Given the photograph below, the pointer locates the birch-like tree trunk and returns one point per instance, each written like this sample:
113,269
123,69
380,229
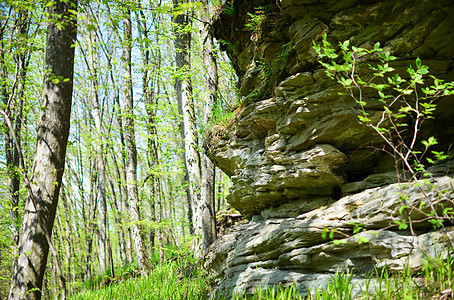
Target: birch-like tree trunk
93,65
183,90
49,163
131,165
211,86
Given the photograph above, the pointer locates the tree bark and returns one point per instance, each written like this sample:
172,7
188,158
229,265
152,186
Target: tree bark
208,174
131,165
183,89
49,163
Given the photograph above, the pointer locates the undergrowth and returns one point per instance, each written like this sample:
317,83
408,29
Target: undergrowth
168,281
165,281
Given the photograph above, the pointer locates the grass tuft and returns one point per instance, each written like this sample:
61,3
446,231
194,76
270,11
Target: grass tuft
165,281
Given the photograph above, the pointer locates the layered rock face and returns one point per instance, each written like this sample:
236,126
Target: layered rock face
299,159
274,248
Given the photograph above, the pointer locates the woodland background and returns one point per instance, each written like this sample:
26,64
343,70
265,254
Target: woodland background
168,44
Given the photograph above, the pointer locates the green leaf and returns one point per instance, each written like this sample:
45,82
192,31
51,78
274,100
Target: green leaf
426,181
362,103
418,62
338,242
423,71
430,142
407,92
325,233
447,210
362,239
430,160
402,224
422,204
387,110
345,44
346,82
436,222
364,119
440,155
401,209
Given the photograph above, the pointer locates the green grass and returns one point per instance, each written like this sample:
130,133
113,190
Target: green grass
165,281
434,280
272,293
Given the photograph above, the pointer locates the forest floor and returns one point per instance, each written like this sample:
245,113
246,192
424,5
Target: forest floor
177,280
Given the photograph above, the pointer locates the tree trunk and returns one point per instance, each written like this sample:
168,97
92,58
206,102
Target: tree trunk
111,263
131,165
52,138
120,172
90,215
126,255
93,65
151,107
183,89
208,174
68,247
21,56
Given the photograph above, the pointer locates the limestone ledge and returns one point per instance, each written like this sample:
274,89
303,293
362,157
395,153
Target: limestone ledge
277,249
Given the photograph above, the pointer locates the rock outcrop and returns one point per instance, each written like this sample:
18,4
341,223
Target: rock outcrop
277,249
300,161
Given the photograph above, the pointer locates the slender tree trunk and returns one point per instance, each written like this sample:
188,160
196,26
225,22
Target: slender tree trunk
93,62
131,165
121,173
11,153
183,89
111,263
151,107
211,84
21,58
126,215
118,223
68,234
92,207
52,138
126,254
